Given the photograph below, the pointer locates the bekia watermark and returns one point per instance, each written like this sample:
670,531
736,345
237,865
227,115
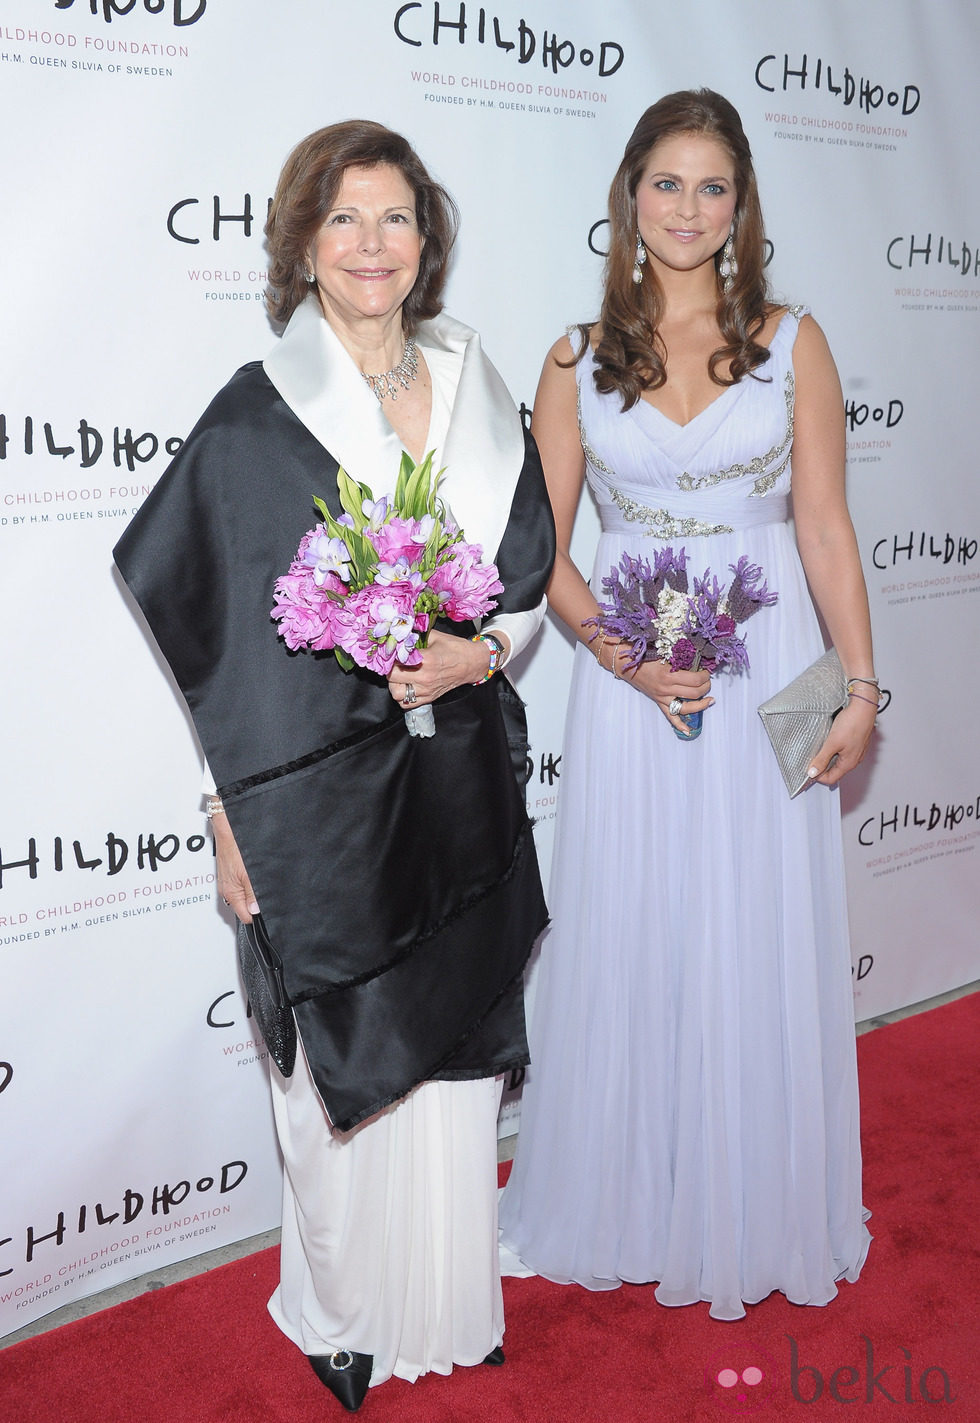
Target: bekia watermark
852,1383
742,1377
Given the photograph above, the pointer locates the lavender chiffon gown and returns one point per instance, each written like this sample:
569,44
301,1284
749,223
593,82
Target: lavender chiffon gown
691,1114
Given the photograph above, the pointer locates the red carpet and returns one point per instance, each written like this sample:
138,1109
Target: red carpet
902,1344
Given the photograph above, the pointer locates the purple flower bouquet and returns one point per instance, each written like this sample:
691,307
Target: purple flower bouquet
369,585
687,624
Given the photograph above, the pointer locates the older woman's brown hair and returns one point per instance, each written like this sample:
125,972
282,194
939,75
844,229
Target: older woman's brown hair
629,354
307,187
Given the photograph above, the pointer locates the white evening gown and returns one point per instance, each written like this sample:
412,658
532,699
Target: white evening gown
691,1112
389,1231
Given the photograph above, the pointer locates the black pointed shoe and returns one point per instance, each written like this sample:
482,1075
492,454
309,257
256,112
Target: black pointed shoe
495,1357
345,1374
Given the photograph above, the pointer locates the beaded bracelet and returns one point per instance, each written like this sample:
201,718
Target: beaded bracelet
213,806
496,654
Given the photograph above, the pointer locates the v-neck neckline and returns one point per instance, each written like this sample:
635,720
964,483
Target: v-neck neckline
680,425
686,424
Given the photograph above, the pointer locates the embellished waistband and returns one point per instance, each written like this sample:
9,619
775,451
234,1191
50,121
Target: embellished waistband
679,521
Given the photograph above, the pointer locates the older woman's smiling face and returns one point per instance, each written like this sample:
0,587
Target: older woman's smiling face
366,253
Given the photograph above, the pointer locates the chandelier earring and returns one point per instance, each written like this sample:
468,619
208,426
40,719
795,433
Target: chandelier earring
728,267
638,260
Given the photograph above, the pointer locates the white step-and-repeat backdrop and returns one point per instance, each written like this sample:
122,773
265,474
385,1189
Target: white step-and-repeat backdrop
143,139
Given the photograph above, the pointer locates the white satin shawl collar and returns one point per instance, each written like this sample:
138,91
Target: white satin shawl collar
484,448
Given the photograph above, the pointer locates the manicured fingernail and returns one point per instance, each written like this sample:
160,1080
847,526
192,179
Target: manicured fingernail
253,908
813,773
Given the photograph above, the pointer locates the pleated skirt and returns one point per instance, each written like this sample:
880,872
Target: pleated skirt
691,1111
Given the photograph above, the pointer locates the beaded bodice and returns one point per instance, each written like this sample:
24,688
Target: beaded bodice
727,468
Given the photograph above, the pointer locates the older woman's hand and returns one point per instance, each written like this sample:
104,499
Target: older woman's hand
233,882
447,662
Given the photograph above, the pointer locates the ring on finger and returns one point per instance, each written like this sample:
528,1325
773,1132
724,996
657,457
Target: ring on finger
675,706
410,697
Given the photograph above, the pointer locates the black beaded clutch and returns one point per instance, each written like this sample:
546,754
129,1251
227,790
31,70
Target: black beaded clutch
262,975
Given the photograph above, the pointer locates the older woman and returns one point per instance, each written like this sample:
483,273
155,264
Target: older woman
396,875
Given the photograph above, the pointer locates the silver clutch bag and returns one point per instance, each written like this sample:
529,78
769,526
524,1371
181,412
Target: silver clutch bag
798,718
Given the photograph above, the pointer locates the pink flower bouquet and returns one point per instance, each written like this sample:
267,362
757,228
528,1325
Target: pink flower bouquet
369,585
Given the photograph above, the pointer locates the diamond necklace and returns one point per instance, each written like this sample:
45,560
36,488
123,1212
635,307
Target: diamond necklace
388,382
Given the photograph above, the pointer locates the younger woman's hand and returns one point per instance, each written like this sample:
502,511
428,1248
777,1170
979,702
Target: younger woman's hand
847,740
656,681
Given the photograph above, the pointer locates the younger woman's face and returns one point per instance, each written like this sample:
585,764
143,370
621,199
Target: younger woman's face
685,200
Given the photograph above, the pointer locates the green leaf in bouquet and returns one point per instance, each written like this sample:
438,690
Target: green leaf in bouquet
406,468
364,559
417,490
335,530
325,515
352,497
433,545
420,489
